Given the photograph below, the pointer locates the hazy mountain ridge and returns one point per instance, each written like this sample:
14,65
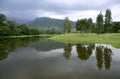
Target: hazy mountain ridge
45,22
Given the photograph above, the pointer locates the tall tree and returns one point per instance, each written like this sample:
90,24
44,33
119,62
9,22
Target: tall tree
99,23
90,25
2,19
67,25
81,25
84,25
108,21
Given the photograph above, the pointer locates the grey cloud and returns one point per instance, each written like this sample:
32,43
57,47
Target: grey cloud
27,8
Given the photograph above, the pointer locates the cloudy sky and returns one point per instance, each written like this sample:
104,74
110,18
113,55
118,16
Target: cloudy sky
74,9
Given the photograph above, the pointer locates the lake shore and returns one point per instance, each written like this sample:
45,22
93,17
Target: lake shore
21,36
75,38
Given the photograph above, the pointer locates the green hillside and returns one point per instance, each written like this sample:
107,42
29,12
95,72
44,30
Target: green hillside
45,22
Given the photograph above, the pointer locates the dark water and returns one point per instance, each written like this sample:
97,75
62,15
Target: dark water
37,58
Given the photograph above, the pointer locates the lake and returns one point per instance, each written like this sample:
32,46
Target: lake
39,58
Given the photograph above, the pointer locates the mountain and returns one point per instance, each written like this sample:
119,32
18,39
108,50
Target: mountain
45,22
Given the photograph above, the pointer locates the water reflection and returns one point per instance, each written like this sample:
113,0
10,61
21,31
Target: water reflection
67,51
103,54
83,51
9,45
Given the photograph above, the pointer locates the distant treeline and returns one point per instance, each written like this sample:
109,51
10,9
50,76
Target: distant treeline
12,28
100,26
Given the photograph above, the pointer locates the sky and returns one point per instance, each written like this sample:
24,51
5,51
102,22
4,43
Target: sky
59,9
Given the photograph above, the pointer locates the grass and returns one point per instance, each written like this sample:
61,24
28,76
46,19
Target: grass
75,38
21,36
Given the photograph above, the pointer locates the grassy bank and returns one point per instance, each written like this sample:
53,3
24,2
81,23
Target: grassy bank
75,38
21,36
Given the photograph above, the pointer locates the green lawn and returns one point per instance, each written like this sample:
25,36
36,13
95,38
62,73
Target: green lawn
74,38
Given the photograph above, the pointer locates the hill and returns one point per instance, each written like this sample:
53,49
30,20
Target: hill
45,22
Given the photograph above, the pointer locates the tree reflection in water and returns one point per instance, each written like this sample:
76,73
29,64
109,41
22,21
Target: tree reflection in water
8,45
67,51
107,57
99,57
103,54
83,51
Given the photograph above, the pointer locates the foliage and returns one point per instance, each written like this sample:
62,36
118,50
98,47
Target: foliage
99,23
116,27
2,19
84,25
11,28
67,25
108,21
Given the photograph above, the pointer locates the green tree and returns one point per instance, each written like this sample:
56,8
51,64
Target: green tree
115,27
11,25
23,29
84,25
5,31
34,31
90,25
81,25
67,25
99,23
108,21
2,19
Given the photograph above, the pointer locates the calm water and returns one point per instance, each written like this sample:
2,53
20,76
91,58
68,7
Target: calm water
37,58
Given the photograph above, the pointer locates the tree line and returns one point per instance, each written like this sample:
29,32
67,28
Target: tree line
100,26
12,28
9,27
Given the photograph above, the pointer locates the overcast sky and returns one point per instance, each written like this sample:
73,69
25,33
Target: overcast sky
74,9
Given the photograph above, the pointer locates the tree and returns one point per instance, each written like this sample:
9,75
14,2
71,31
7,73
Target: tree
99,23
90,25
84,25
108,21
34,31
81,25
67,25
24,30
5,31
11,26
2,19
115,27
